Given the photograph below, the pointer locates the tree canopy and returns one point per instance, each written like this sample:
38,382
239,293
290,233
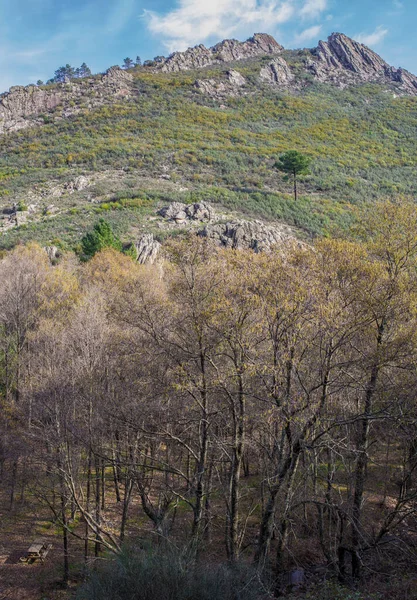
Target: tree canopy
293,163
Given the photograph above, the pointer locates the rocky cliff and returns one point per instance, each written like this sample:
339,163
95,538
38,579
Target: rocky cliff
21,106
260,44
343,61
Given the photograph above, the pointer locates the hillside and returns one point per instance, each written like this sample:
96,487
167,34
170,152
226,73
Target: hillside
208,124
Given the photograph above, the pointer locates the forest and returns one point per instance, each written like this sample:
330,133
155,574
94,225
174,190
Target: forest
232,418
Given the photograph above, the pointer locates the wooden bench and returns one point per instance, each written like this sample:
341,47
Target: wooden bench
37,551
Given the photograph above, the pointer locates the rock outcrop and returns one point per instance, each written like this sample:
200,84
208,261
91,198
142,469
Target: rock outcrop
252,235
234,234
147,249
260,44
231,86
53,253
343,61
277,72
22,106
181,213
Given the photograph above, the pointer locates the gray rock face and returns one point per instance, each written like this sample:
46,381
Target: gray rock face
81,183
52,252
341,52
277,72
253,235
147,249
220,89
22,106
227,51
343,61
181,213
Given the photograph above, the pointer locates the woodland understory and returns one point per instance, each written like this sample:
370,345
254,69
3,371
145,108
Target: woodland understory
241,408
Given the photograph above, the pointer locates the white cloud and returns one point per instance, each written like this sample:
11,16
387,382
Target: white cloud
308,34
196,21
313,8
372,39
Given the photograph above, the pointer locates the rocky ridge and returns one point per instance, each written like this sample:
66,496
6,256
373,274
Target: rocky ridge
22,106
339,61
260,44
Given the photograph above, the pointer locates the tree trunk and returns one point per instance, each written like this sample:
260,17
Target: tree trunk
295,186
87,504
362,460
97,546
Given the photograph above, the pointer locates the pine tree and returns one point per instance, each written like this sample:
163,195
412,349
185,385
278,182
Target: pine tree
101,237
128,63
293,163
83,71
64,74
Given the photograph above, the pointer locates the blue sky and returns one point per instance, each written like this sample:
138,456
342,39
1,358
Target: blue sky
38,36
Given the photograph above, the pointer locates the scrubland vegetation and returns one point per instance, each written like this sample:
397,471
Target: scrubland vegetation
208,424
361,142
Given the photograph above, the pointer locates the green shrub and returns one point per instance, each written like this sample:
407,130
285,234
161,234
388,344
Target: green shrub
22,206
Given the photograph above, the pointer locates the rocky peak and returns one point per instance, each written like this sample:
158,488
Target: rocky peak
342,52
344,61
227,51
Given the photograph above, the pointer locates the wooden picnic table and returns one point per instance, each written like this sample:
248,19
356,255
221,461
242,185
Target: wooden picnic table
37,551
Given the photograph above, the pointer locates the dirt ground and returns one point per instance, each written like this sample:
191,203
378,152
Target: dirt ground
18,529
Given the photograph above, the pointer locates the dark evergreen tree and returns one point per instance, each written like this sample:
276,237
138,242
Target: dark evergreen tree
293,163
128,63
83,71
101,237
64,74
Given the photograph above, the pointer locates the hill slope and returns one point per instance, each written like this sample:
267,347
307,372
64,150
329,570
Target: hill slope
171,131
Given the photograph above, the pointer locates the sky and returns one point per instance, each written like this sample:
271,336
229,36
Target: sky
38,36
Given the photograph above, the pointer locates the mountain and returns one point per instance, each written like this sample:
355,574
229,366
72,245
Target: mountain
207,125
